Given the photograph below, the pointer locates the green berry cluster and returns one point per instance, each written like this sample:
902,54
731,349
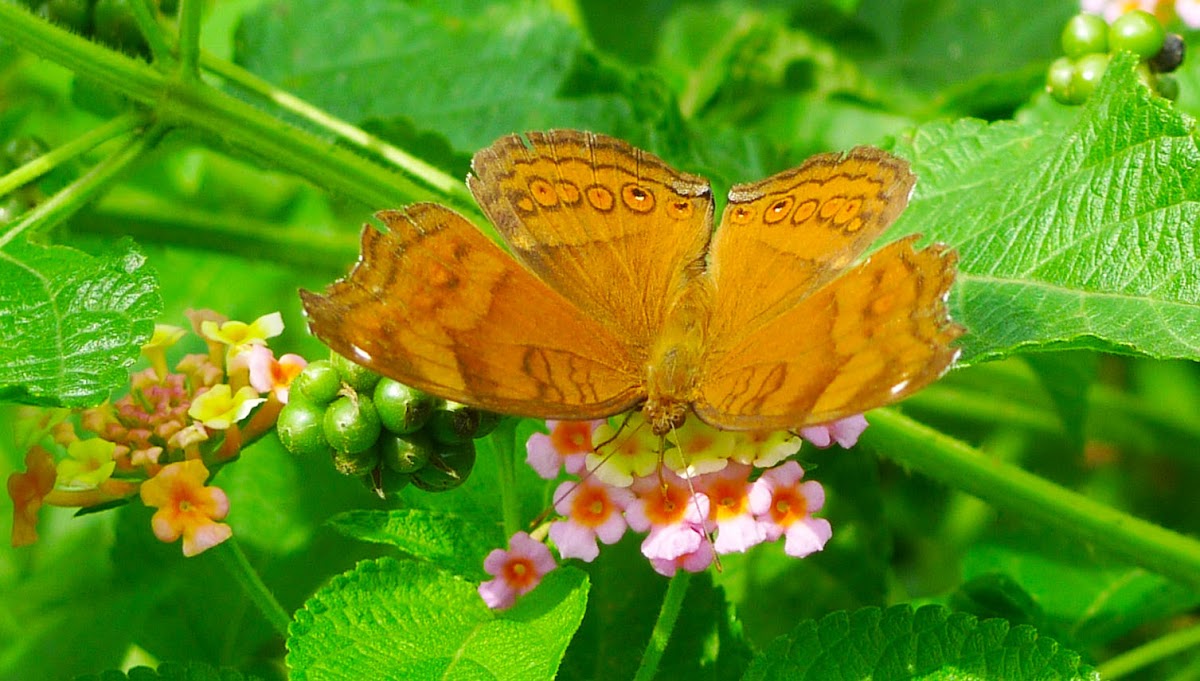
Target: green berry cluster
381,430
108,21
15,153
1089,43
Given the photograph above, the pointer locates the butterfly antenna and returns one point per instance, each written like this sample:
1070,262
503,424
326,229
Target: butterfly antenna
687,475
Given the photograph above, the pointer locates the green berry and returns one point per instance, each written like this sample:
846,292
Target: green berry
1088,72
1084,34
1171,55
356,463
351,424
448,469
318,382
1168,87
300,427
1058,80
406,453
1138,32
355,375
488,420
401,408
455,422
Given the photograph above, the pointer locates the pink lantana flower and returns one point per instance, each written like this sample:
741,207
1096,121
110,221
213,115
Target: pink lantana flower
674,517
845,432
729,493
517,571
186,507
592,511
785,506
696,561
565,447
1189,12
270,375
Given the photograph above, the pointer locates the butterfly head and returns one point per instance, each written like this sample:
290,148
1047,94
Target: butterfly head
664,414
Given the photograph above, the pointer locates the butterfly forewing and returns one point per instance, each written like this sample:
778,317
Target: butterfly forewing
784,237
612,228
435,305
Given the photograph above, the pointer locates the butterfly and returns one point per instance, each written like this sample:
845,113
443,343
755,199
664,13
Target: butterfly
618,294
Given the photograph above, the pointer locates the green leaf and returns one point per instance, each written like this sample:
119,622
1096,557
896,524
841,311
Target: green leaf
386,60
707,642
410,620
898,643
171,671
1080,236
445,539
1077,594
71,324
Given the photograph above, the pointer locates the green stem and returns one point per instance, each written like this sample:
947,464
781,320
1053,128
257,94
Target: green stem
56,157
1146,655
1005,486
442,182
75,195
504,440
667,616
195,105
156,37
231,555
189,38
159,221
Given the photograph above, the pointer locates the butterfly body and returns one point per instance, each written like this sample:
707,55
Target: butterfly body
618,294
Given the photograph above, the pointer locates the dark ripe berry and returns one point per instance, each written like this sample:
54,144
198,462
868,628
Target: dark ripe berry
1058,80
1088,72
1137,32
351,424
318,382
1171,55
355,375
406,453
1084,34
401,408
301,429
448,469
356,463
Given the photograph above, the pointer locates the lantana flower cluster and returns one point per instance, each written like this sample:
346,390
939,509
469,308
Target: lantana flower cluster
1188,11
164,439
698,493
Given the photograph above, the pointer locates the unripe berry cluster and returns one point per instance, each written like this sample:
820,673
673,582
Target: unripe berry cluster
1089,42
381,430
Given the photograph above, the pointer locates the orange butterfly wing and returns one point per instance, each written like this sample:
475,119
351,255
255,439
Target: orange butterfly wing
434,304
784,237
612,228
867,338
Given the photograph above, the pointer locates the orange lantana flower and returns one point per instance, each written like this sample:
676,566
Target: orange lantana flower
186,507
28,490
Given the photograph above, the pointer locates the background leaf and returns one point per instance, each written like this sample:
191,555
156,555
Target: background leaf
1081,236
71,324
